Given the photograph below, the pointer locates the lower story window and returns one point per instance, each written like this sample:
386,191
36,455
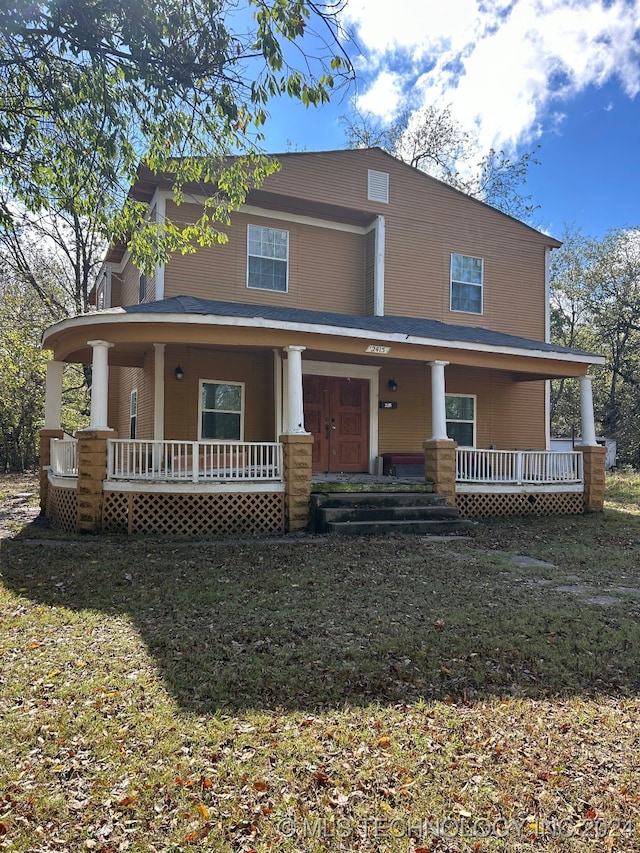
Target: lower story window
133,414
461,418
221,411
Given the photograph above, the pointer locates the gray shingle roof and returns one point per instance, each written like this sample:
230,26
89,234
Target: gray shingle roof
410,326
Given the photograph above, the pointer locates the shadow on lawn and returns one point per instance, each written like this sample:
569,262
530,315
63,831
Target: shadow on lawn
307,625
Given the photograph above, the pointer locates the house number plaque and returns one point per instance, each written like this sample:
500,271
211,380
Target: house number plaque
377,348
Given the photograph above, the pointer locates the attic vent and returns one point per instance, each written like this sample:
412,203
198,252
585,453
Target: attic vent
378,186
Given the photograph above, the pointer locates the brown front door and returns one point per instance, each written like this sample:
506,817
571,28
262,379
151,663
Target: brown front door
336,411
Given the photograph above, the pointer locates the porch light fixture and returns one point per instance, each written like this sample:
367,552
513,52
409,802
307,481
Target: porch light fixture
392,385
179,373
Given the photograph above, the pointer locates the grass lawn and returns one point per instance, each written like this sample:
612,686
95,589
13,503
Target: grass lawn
380,694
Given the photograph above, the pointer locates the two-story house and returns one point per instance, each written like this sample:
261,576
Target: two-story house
363,318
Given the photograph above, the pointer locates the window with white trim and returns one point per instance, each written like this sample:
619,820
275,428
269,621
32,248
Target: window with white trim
221,411
267,258
467,275
142,288
133,414
460,410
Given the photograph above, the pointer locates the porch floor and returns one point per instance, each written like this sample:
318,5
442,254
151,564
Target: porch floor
368,482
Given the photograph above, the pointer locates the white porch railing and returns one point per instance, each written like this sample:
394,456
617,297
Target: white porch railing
64,457
515,467
194,461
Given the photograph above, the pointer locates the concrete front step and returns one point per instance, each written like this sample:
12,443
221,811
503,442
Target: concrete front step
320,500
388,513
378,528
384,512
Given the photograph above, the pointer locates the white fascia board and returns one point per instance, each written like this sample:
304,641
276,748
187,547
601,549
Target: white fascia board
119,315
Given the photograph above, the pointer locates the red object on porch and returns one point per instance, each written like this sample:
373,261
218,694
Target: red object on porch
403,464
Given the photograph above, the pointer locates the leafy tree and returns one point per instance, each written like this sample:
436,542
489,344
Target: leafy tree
596,306
23,316
433,141
89,88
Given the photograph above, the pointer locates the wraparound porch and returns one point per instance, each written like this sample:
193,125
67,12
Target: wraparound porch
170,362
195,488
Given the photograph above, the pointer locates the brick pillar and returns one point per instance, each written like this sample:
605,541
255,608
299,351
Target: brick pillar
594,457
45,460
440,466
297,476
92,470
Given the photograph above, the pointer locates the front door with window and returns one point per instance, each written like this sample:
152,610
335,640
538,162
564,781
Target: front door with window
336,412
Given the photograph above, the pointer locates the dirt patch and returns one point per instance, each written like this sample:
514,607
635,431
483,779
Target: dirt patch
15,511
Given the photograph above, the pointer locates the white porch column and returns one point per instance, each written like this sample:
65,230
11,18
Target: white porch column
438,408
294,411
586,411
277,391
99,384
158,392
53,395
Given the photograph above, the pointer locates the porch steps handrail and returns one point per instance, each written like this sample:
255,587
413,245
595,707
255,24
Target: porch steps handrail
195,461
515,467
64,457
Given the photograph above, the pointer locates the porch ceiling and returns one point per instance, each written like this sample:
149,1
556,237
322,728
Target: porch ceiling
194,322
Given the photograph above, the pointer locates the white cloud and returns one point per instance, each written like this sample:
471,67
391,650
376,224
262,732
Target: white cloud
505,66
383,96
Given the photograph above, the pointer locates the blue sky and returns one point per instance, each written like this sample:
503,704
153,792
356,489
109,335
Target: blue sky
560,74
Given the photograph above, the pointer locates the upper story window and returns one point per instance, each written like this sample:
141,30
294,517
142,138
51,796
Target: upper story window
267,258
142,288
221,411
460,412
466,283
100,298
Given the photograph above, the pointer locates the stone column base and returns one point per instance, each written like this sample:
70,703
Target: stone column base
594,458
92,471
440,466
297,475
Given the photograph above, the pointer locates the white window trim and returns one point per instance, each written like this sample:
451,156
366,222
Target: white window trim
249,255
133,396
242,400
142,295
452,282
473,397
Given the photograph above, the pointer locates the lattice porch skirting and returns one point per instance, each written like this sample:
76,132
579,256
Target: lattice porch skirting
193,514
490,504
62,508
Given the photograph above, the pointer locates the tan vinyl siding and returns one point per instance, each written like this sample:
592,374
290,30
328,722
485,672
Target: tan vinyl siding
420,240
503,416
116,290
181,398
426,221
129,290
126,379
326,267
